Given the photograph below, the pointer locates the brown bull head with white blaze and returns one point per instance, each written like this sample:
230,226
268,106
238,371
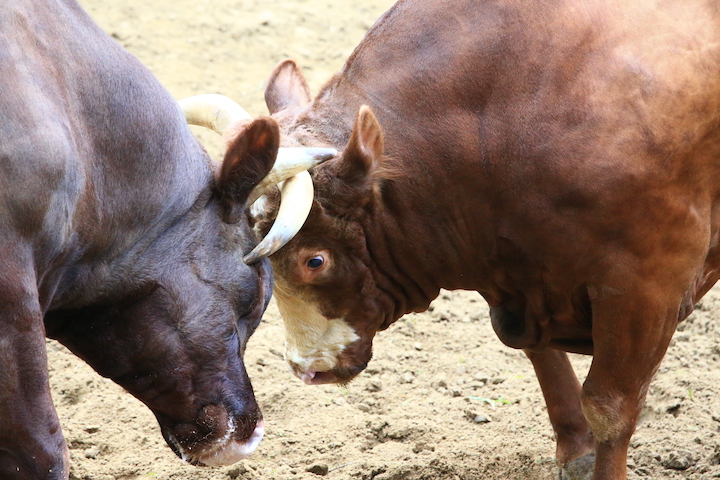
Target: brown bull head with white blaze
331,300
326,288
323,343
289,172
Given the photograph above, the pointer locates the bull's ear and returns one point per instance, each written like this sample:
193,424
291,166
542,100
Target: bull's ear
364,150
286,88
360,170
248,159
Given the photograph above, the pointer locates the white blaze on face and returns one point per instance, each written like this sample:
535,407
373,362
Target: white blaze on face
314,342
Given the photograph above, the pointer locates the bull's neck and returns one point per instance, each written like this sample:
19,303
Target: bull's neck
418,247
431,228
422,232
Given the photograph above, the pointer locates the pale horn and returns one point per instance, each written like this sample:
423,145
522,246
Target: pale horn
290,217
213,111
219,113
289,162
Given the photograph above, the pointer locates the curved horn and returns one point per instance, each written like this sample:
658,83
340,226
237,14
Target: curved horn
219,113
213,111
297,198
289,162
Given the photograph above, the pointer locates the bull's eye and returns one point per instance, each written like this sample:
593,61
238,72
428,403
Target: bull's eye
315,262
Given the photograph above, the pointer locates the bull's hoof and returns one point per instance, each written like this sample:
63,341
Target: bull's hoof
579,469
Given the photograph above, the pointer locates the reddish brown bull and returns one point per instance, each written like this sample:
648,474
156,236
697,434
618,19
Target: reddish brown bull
121,239
559,157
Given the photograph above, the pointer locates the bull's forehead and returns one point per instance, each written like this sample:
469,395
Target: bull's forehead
314,342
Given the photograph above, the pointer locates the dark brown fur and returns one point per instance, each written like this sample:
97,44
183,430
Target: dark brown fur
117,241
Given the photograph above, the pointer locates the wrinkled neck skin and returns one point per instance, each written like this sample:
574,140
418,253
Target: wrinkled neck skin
102,277
402,272
409,275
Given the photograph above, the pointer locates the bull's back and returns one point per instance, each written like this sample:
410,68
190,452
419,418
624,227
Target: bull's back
534,72
95,153
524,91
38,152
559,126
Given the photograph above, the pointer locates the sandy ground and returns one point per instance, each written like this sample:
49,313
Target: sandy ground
443,399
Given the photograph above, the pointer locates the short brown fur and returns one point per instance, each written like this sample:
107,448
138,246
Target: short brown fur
562,158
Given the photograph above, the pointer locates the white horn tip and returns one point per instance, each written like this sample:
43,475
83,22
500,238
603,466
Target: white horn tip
263,251
296,202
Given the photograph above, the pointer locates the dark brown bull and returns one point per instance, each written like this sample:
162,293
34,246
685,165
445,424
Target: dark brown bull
120,238
562,158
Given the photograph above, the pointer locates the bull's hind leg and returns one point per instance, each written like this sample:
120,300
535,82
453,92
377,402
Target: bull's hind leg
631,333
561,390
31,442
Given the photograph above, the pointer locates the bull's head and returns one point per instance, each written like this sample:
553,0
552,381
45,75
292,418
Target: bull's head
177,339
332,297
326,280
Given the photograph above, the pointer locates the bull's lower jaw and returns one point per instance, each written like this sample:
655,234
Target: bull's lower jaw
320,378
323,377
223,451
312,371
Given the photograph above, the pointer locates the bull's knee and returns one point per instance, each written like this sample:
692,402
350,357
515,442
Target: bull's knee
609,418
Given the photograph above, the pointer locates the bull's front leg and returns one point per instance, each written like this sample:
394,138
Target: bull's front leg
32,446
630,334
561,390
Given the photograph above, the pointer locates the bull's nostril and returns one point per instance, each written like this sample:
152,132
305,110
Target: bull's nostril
310,376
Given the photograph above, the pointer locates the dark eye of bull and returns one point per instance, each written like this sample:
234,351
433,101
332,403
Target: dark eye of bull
315,262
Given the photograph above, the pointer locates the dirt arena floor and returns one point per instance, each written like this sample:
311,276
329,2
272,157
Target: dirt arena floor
442,399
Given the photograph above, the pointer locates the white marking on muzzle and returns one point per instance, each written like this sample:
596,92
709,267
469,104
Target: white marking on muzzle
224,450
313,342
